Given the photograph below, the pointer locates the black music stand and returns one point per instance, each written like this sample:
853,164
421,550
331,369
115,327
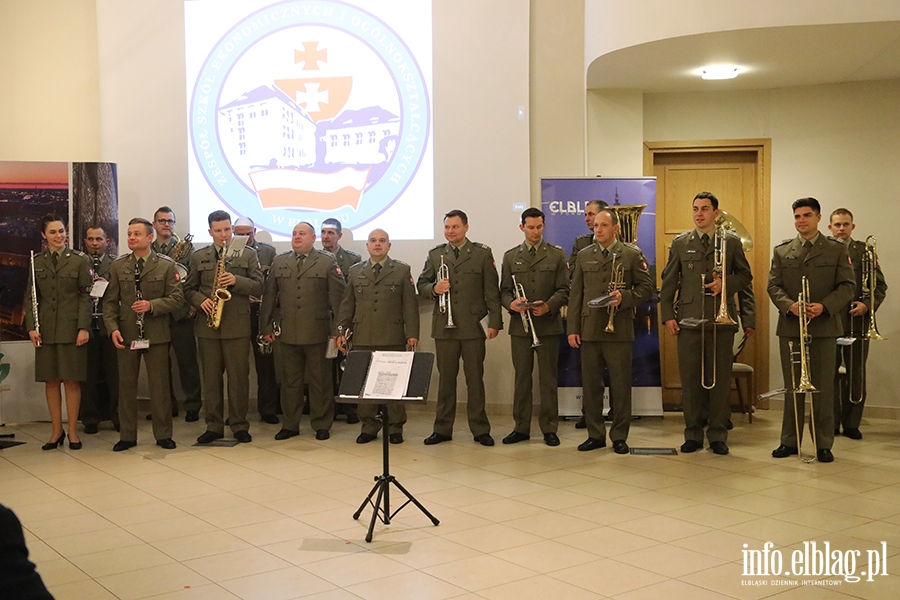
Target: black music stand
352,386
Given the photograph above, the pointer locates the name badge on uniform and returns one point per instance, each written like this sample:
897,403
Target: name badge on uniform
140,345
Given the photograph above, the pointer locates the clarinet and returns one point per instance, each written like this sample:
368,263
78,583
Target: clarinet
138,297
96,314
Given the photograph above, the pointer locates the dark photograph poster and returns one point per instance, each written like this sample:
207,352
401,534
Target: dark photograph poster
28,191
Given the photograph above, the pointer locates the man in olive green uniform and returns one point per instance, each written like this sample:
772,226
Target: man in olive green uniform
267,389
224,349
181,328
540,269
581,242
691,289
304,289
380,308
595,271
826,265
144,289
473,290
331,233
100,393
855,318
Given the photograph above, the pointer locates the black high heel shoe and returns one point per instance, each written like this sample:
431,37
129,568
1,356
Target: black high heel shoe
74,445
58,442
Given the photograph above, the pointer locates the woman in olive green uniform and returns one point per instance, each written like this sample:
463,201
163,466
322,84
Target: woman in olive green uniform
60,334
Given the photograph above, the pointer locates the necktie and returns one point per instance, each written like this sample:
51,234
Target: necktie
705,240
377,268
140,266
300,259
605,253
532,251
455,252
54,258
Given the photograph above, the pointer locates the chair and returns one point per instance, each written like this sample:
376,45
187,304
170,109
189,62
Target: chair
742,371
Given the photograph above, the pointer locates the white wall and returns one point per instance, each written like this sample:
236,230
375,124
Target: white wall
838,143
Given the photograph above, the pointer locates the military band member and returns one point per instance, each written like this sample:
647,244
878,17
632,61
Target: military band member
63,280
685,295
181,328
541,269
588,328
144,289
380,308
224,350
331,233
100,393
826,264
304,290
849,403
581,242
473,288
268,391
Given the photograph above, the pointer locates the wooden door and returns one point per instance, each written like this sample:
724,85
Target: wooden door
737,173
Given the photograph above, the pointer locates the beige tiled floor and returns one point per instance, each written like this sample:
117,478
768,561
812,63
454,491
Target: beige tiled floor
273,520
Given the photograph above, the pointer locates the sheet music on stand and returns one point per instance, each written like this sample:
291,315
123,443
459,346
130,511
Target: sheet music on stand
388,375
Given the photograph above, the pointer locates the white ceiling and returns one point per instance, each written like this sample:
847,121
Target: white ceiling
769,58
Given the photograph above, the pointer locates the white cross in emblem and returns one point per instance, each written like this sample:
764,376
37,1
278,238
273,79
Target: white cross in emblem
312,97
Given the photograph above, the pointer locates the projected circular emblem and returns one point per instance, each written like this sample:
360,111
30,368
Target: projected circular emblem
306,110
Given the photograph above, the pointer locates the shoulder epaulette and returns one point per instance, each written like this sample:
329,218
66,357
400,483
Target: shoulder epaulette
787,241
584,235
835,240
165,257
285,253
632,246
266,244
560,248
681,235
78,252
480,245
352,253
399,262
325,252
436,247
123,257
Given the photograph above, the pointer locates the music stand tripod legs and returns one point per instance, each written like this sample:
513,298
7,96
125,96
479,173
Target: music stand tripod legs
382,504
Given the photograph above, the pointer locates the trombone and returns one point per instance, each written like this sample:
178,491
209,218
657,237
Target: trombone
444,299
867,289
527,321
804,386
720,243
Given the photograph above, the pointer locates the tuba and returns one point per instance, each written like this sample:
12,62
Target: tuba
219,295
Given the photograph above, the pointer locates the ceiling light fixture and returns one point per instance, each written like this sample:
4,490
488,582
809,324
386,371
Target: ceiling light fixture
719,72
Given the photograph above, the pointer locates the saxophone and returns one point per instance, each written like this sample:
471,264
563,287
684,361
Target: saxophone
219,295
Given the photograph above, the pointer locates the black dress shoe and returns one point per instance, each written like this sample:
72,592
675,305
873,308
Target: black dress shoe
123,445
691,446
591,444
783,451
166,443
825,455
209,437
620,447
719,447
57,442
365,438
436,438
485,439
191,416
91,428
853,434
729,426
285,434
74,445
515,437
352,419
581,424
551,439
243,436
396,438
322,434
270,419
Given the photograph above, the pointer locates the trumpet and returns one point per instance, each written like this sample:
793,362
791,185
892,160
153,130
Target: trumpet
804,386
34,298
444,300
616,282
527,321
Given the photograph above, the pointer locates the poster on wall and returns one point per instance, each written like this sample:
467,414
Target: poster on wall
304,110
563,201
95,203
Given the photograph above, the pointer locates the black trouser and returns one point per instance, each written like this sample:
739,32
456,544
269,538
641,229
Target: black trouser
100,393
268,391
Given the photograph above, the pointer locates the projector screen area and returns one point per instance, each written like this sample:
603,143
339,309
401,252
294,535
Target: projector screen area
304,110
